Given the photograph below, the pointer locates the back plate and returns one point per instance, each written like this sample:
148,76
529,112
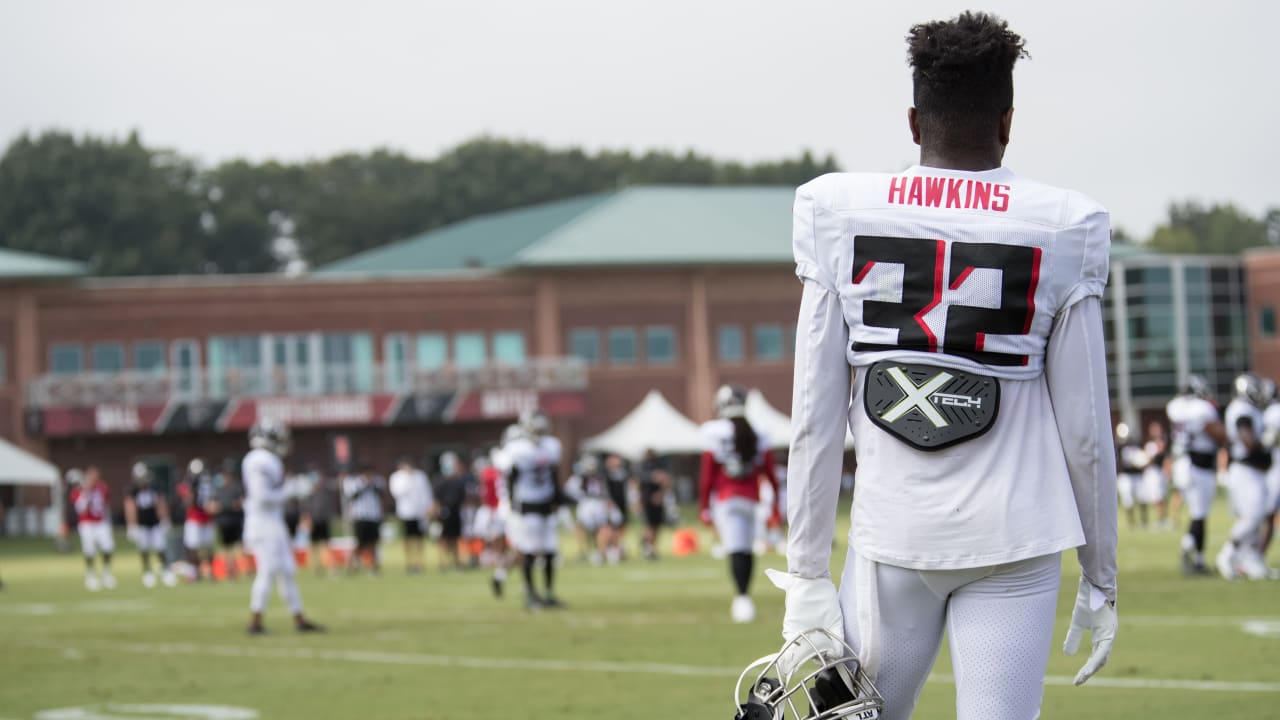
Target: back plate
928,407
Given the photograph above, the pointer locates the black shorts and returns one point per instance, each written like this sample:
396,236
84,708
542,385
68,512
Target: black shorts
230,532
655,515
320,531
412,527
367,531
451,524
291,521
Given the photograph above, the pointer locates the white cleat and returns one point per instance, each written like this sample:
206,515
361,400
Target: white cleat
148,580
108,580
1252,565
742,610
1226,562
168,578
91,582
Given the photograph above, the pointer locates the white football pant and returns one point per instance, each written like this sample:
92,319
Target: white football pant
1126,483
735,519
1154,486
273,555
149,538
1198,486
95,537
999,619
536,534
1248,487
197,535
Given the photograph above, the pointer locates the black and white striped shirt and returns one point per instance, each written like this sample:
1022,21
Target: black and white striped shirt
364,497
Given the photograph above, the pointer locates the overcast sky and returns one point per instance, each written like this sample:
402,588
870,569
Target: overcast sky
1133,102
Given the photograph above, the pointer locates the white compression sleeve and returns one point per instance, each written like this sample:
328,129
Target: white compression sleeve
1076,371
819,416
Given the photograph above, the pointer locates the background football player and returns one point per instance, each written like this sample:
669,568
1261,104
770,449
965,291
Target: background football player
534,459
968,301
735,461
265,533
90,502
490,521
1246,481
1271,439
199,494
146,514
1197,433
1133,462
1155,483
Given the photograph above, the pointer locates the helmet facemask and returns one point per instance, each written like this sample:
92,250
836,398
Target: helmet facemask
822,686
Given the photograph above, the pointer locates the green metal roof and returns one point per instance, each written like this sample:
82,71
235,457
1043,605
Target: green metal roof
19,265
642,225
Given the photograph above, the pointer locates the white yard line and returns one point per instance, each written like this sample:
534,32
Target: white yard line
491,663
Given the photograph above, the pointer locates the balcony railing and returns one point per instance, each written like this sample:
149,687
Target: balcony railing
157,388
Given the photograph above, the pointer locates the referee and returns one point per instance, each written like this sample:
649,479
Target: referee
365,495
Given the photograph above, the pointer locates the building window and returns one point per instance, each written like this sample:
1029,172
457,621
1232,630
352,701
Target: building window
347,362
108,357
660,344
148,356
729,342
395,361
585,343
469,350
769,343
790,340
433,351
235,365
1267,321
622,346
66,359
508,348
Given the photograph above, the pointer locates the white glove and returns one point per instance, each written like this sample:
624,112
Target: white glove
134,533
1096,614
811,603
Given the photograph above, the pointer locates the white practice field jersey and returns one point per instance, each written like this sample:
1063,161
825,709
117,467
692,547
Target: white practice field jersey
265,490
960,275
534,461
1189,416
1241,411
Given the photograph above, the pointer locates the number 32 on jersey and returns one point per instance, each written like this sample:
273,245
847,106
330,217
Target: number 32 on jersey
949,305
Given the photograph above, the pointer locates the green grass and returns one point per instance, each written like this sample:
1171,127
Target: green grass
403,647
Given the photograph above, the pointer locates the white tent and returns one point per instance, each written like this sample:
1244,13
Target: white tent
774,424
19,467
653,425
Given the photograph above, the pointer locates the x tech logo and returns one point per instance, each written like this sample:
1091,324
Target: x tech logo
929,407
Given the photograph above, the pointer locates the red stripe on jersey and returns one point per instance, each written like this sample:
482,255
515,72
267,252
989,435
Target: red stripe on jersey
964,275
1031,291
937,296
981,342
862,274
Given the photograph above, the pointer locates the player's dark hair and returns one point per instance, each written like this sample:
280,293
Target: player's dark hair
745,441
962,70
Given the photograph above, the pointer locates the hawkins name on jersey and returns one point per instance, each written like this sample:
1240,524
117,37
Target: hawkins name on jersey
975,288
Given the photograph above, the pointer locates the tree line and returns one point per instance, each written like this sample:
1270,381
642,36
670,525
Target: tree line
128,209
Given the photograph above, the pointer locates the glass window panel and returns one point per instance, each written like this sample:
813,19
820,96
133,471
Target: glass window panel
768,342
622,346
469,350
660,345
432,351
729,343
66,359
1267,321
108,357
508,347
585,343
148,356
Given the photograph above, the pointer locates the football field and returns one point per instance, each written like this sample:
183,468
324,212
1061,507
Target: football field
639,640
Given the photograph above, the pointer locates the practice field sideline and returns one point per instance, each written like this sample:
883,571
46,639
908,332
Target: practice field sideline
641,640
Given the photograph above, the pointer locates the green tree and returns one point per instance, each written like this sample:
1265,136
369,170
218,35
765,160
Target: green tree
1214,230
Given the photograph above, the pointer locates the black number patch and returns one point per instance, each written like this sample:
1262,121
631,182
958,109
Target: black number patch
924,272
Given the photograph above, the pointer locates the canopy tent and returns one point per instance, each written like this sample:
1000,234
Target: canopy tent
774,424
653,425
19,467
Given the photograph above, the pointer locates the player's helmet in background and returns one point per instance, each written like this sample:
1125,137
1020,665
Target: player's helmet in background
1268,390
195,468
1249,387
74,476
1122,432
141,473
1197,386
450,465
270,435
823,685
535,423
731,401
587,464
512,433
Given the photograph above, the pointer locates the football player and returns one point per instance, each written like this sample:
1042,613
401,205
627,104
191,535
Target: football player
535,493
199,493
146,514
265,533
596,514
735,460
490,521
968,302
1155,484
1246,481
1198,433
412,494
90,500
1133,463
1271,439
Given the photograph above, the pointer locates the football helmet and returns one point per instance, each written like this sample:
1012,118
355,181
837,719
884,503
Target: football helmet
588,464
141,473
823,685
535,422
450,465
1268,390
1122,432
195,468
731,401
1197,386
512,433
1249,387
270,435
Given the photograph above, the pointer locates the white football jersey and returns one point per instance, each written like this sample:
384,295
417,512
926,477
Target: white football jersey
1241,411
965,271
717,439
534,461
265,490
1189,416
